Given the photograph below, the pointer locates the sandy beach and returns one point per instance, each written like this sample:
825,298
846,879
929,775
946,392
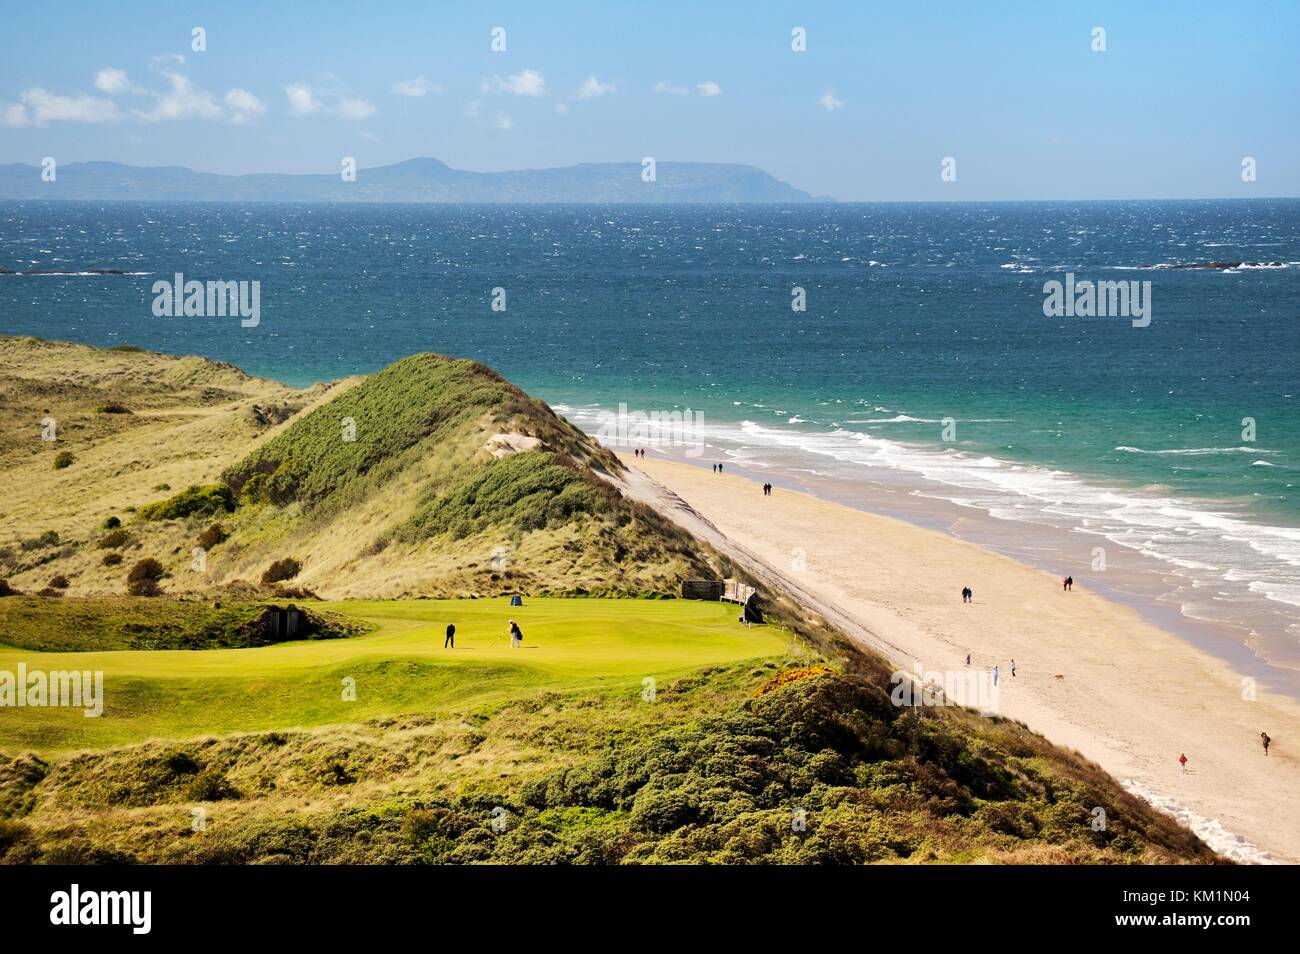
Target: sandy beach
1090,674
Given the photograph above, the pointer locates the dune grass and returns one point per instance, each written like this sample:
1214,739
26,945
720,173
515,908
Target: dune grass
399,668
413,399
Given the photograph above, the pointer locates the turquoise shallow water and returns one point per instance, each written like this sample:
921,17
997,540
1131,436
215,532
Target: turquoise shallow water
915,314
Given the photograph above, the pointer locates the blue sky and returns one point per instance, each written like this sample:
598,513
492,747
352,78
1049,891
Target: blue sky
885,91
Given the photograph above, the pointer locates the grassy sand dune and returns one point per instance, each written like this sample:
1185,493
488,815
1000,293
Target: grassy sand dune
173,422
433,477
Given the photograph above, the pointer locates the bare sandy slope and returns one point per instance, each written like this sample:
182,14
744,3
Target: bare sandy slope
1091,674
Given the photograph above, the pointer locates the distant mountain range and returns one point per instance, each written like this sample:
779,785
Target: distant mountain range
415,180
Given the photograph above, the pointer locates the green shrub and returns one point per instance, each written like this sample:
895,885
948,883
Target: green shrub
254,489
113,539
59,582
7,590
285,569
208,499
112,523
210,785
112,558
142,579
211,537
12,833
418,397
50,538
63,459
112,407
526,491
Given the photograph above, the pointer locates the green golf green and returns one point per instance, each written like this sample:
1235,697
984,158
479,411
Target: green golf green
399,668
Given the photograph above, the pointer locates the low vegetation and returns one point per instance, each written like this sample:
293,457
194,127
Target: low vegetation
213,536
195,499
280,570
80,625
525,491
818,770
113,540
321,455
143,577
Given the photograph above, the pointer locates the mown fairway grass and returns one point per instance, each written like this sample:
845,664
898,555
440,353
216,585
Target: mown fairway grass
605,645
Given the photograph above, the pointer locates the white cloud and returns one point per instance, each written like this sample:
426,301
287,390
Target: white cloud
663,86
525,83
413,87
707,88
472,108
47,107
112,80
593,88
302,100
562,108
183,101
354,108
829,102
13,115
166,59
503,122
243,105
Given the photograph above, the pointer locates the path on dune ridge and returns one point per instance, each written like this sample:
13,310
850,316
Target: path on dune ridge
1092,675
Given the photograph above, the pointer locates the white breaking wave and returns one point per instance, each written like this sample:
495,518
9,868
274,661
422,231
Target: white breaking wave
896,419
908,419
1209,830
1188,536
1200,545
1195,451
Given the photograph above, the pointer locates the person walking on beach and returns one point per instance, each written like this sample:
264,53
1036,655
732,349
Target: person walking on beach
996,672
516,635
1182,760
1013,669
1263,737
966,594
450,641
968,659
1069,583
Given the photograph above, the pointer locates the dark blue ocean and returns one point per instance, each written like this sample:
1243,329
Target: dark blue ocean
916,313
